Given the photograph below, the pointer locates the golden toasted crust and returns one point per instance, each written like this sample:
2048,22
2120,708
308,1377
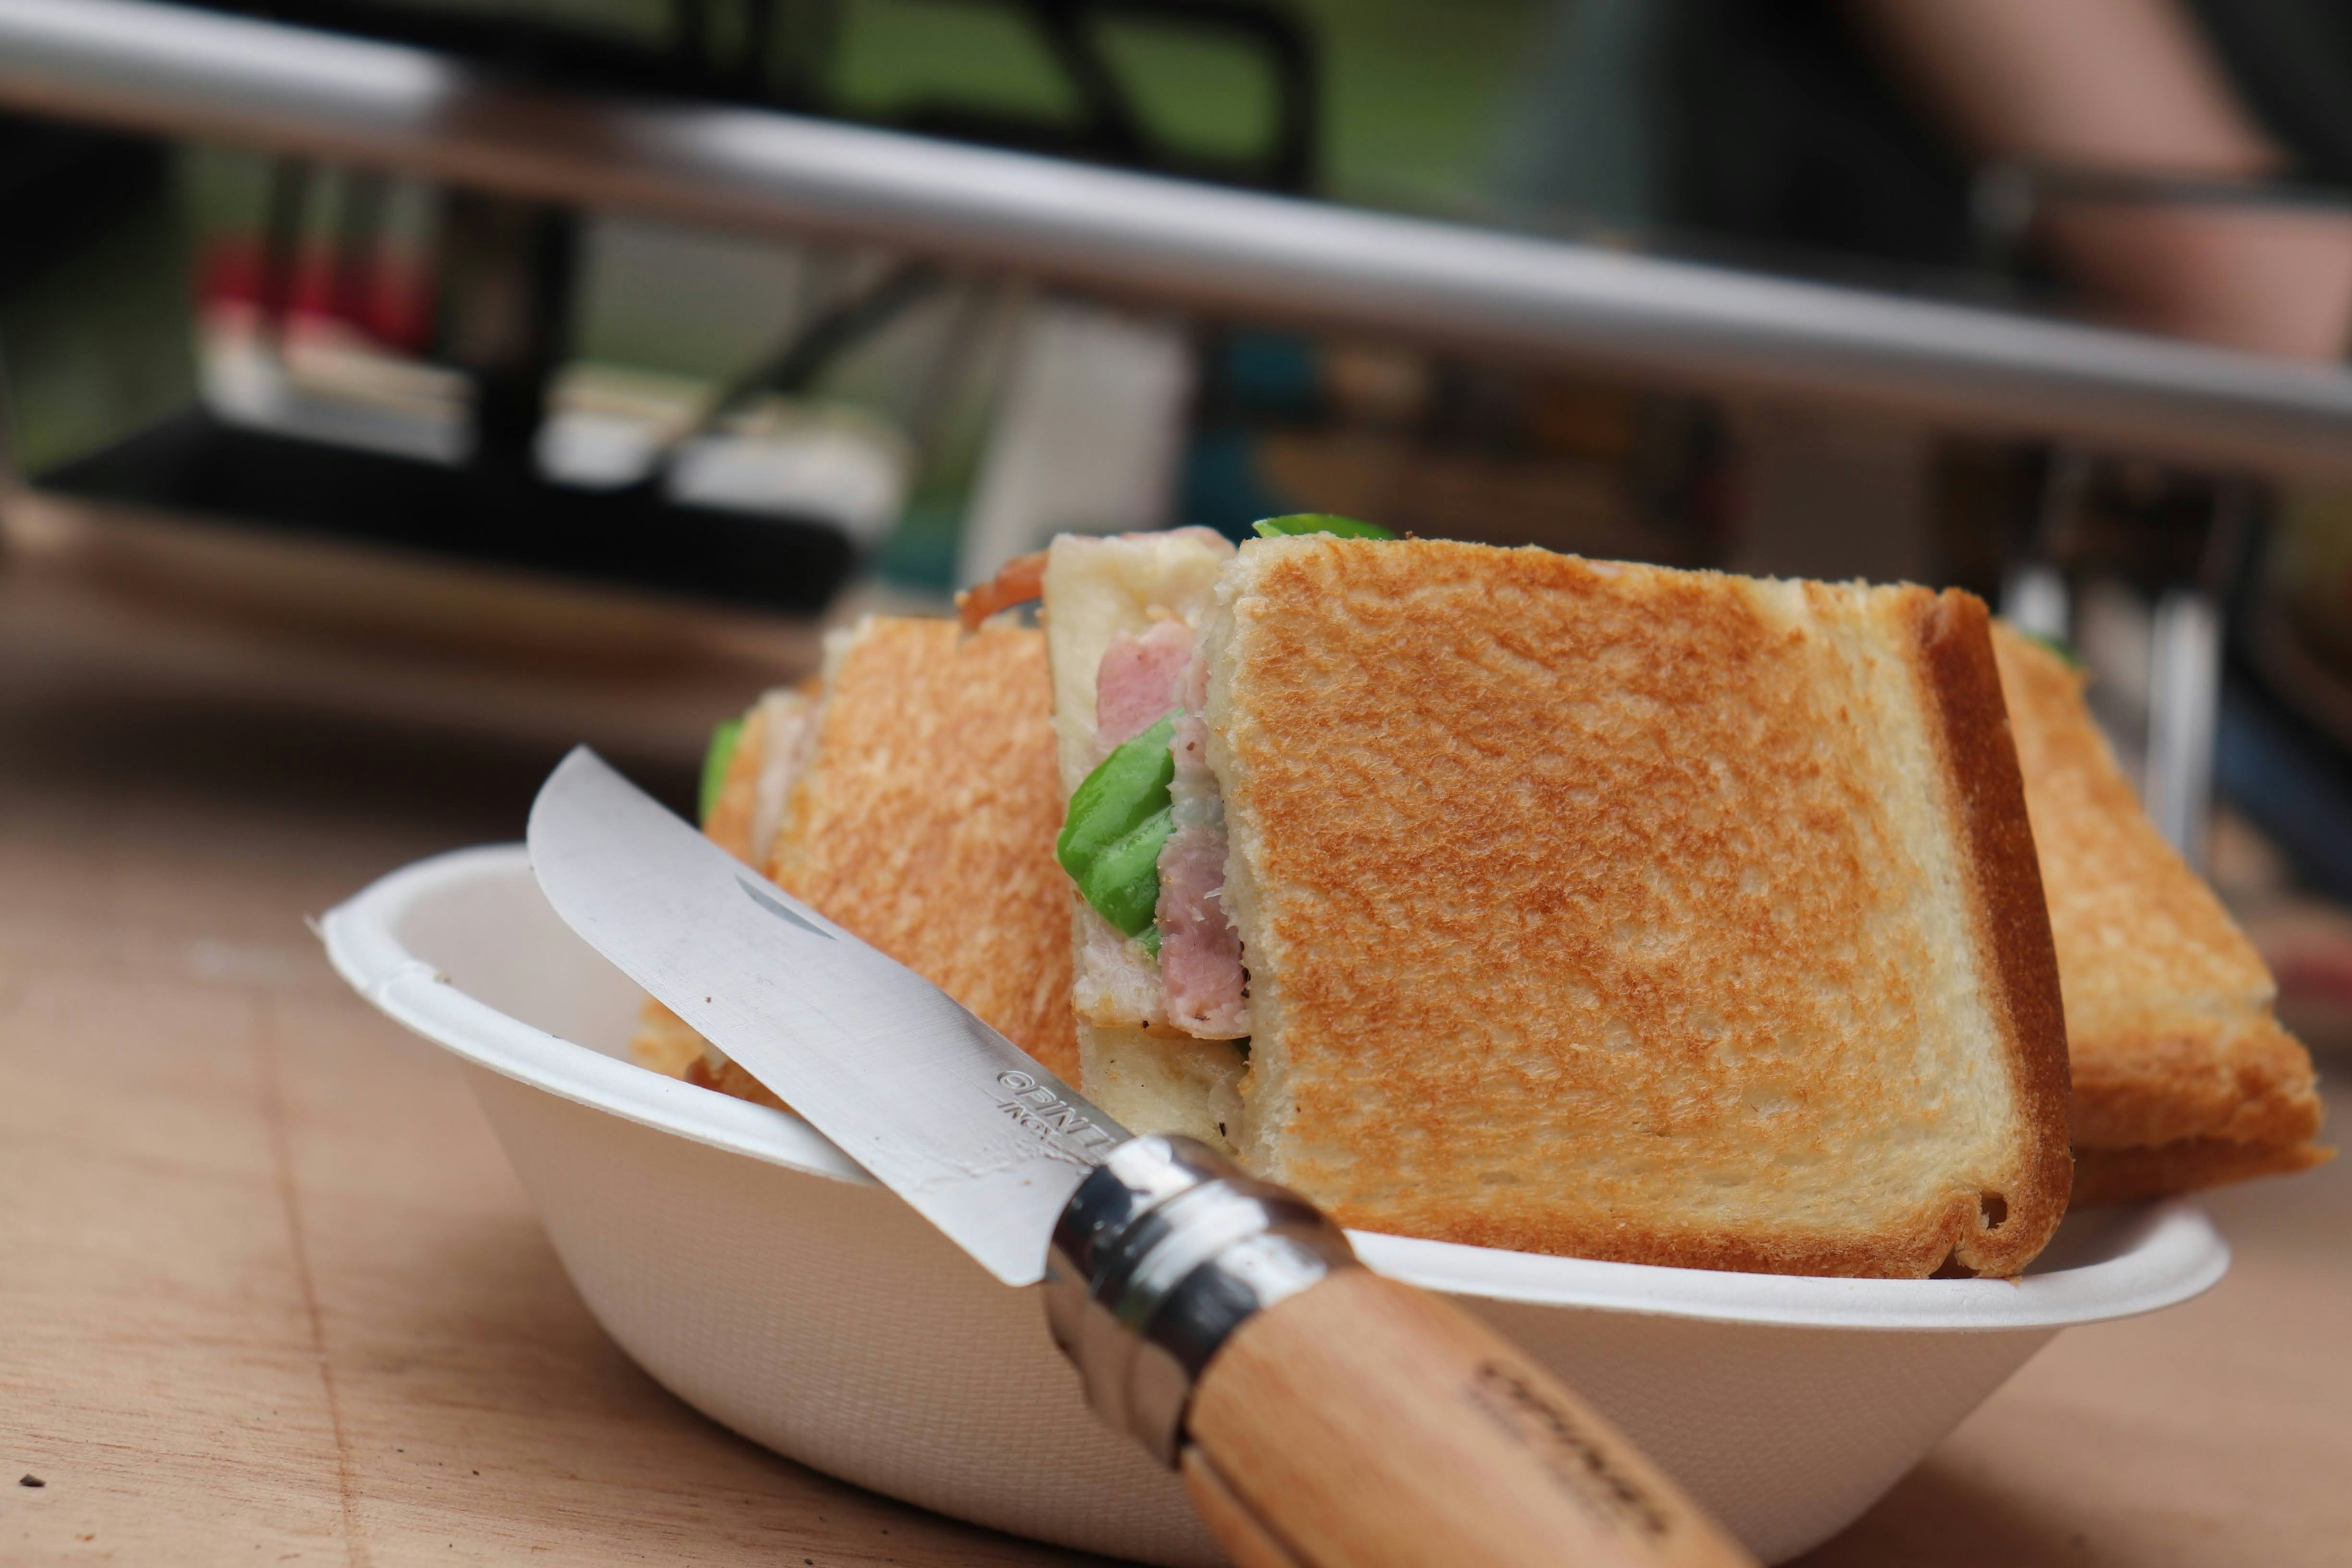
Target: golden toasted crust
2126,1175
926,821
724,1075
2013,921
665,1042
1633,913
2179,1076
2167,1006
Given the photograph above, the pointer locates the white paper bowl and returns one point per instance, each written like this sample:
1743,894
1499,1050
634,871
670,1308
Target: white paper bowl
747,1265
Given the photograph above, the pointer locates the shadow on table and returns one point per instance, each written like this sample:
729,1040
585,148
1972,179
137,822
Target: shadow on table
1936,1516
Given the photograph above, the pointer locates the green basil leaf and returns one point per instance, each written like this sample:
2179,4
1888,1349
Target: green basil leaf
1317,523
1117,819
715,760
1123,883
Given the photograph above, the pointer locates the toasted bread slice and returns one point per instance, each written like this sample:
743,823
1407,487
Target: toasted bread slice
925,821
1659,916
920,815
710,1070
2182,1077
666,1042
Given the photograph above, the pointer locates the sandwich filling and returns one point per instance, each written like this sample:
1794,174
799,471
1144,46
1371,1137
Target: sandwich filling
1145,836
1202,975
1135,685
1144,839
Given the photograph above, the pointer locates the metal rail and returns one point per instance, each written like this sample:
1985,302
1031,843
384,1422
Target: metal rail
162,69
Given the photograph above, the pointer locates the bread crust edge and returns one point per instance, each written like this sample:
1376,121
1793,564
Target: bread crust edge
2012,921
2185,1165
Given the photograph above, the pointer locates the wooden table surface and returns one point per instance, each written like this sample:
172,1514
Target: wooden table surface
268,1293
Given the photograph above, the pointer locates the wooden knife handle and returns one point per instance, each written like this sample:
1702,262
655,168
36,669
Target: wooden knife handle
1325,1417
1363,1422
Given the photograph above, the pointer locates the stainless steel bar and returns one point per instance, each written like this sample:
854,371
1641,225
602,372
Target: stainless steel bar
160,69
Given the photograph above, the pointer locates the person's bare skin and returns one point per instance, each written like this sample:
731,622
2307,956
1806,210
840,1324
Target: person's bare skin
2129,85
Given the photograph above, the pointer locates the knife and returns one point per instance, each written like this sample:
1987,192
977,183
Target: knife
1321,1417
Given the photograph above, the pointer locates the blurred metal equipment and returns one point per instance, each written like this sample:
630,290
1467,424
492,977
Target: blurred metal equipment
2185,678
530,136
2033,598
775,54
168,69
2184,713
2034,592
462,451
2136,566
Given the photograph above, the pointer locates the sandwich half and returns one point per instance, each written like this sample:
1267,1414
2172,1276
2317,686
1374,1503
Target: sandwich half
911,797
2182,1077
1565,906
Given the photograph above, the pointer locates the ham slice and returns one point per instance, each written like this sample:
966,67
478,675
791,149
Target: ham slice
1135,685
1200,970
1201,979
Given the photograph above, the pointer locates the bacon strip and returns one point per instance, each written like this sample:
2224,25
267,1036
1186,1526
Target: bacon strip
1017,581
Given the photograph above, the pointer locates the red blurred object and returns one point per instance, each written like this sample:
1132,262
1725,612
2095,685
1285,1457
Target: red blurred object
385,296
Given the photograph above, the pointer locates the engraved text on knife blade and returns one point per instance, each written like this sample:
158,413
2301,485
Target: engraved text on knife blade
1066,1132
1062,1131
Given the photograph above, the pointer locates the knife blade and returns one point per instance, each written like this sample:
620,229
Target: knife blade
969,1129
1318,1414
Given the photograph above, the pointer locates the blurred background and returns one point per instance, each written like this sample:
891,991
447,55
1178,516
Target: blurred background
395,392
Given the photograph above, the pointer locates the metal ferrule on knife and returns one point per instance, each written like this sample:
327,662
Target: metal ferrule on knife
1162,1252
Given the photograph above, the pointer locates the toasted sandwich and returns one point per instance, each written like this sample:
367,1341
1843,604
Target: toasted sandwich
1507,898
911,797
2182,1077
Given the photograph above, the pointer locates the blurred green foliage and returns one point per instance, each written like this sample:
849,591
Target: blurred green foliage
99,348
1411,92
